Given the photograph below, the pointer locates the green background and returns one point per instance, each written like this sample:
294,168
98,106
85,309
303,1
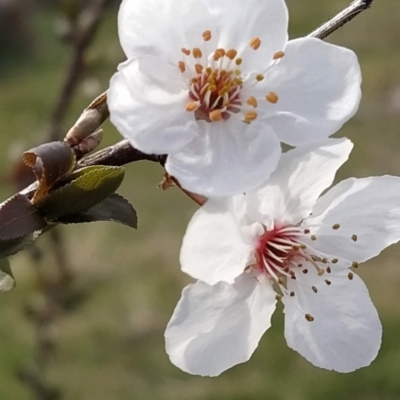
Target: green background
112,347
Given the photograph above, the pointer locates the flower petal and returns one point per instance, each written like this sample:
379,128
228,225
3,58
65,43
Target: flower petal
161,28
213,247
318,89
227,158
346,332
216,327
301,176
239,22
367,212
147,99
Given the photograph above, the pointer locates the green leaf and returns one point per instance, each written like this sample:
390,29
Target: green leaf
113,208
82,190
7,281
50,162
20,224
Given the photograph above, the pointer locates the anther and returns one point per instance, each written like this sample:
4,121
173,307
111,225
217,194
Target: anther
281,280
185,51
238,61
321,271
315,290
305,271
192,106
215,115
303,246
231,54
197,53
252,101
334,260
206,36
278,297
309,317
198,68
350,275
306,231
182,66
278,55
355,264
313,237
291,294
259,77
328,270
327,282
335,226
250,116
255,43
272,97
354,238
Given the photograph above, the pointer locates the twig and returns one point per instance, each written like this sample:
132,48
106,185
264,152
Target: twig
350,12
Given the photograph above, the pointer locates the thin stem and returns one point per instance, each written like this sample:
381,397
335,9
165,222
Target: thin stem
346,15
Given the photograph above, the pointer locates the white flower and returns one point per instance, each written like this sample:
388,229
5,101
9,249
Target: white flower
216,86
283,237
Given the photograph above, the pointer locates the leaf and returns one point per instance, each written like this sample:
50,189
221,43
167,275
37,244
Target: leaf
113,208
86,188
7,281
20,224
50,162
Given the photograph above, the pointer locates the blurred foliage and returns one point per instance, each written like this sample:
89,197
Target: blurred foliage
113,347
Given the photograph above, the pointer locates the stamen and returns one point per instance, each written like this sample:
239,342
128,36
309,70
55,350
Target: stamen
272,97
315,290
350,275
327,282
206,36
192,106
252,101
255,43
215,115
185,51
182,66
198,68
197,53
328,270
354,238
231,54
313,237
334,260
259,77
250,116
309,317
335,226
355,264
238,61
278,55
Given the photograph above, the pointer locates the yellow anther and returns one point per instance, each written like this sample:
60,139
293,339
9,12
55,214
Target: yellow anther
219,53
259,77
272,97
252,101
206,36
222,51
237,72
197,53
192,106
182,66
212,88
238,61
255,43
335,226
185,51
208,70
250,116
231,54
354,238
320,271
278,55
309,317
350,275
198,68
215,115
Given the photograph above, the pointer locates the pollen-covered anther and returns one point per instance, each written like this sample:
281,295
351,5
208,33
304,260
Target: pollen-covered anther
259,77
186,52
278,55
252,101
182,66
255,43
192,106
272,97
206,36
215,115
309,317
197,53
199,68
250,116
231,54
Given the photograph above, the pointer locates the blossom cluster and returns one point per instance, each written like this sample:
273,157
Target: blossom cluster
218,87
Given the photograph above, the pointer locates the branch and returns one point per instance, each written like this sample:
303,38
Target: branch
349,13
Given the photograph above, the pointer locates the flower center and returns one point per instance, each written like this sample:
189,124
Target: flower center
216,80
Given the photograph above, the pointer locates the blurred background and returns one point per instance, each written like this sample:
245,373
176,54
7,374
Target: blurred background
96,333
